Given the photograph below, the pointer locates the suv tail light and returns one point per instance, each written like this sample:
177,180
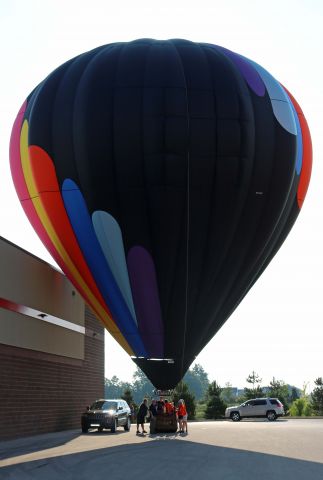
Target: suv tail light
279,404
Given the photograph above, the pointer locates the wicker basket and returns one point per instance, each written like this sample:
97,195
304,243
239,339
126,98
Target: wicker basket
164,423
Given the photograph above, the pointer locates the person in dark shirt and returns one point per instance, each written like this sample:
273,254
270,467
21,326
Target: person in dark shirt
133,412
153,408
142,413
160,406
153,415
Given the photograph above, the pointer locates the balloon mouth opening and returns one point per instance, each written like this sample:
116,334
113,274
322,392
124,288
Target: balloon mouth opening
163,393
168,360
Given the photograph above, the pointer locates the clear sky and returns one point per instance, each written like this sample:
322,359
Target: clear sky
278,328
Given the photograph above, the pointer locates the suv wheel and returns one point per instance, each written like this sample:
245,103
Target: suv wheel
235,416
127,425
271,415
114,426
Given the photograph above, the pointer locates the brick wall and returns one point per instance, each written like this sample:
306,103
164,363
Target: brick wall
42,393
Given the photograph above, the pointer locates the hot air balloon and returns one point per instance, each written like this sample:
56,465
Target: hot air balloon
162,176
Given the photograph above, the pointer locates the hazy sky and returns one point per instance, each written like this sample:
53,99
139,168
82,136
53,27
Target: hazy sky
278,328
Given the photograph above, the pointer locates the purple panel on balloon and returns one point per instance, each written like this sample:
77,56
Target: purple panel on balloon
249,73
145,295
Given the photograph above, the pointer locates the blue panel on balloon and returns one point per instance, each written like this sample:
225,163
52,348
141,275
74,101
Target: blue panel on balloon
83,228
299,140
109,236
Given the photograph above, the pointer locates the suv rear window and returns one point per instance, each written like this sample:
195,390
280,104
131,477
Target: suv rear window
273,401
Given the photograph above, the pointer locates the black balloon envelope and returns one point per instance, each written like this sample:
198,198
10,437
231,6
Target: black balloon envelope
162,176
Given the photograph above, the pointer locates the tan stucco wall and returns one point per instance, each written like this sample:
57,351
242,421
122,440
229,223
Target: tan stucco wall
26,332
31,282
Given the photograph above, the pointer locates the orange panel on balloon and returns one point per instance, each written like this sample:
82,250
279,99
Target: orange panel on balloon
49,204
48,188
307,153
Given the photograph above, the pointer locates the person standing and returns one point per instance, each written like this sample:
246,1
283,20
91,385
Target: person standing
182,416
133,413
169,407
160,406
153,408
153,414
142,413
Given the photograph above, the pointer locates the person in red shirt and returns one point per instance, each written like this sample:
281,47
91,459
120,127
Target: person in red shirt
169,407
182,416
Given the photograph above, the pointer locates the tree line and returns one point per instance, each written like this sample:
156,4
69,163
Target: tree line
196,379
205,399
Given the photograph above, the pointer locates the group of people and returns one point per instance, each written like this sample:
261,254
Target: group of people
159,407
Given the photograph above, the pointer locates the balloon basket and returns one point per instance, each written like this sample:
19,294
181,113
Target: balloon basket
164,423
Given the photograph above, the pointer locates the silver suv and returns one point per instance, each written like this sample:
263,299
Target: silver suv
256,407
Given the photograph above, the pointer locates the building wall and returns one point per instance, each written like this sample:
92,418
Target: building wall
51,348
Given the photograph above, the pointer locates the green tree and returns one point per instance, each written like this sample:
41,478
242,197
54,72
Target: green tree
182,391
300,408
113,387
317,397
141,386
197,381
279,389
294,395
127,396
200,409
241,399
308,411
256,390
215,406
228,395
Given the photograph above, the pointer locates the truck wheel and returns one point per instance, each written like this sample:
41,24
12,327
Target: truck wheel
127,425
235,416
114,426
271,415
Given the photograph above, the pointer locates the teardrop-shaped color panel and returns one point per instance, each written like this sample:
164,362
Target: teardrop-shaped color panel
19,147
84,231
110,238
306,165
279,99
29,182
246,69
299,140
146,297
47,191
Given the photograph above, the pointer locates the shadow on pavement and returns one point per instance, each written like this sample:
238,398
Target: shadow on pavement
96,433
22,446
168,458
25,445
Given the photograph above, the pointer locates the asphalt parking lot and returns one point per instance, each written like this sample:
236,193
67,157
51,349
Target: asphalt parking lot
285,449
